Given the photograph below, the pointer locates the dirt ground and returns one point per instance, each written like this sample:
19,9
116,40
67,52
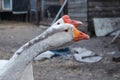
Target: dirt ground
14,34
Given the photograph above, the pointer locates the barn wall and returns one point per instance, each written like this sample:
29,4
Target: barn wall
0,5
102,9
77,9
20,5
49,9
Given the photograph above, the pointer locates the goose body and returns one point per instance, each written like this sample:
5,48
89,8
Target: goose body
54,37
2,63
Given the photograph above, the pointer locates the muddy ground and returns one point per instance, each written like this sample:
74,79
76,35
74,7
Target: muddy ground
14,34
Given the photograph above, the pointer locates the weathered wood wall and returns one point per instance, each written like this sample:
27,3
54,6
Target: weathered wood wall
77,9
102,9
49,10
0,5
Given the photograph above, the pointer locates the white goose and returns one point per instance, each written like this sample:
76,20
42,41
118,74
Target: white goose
55,37
48,54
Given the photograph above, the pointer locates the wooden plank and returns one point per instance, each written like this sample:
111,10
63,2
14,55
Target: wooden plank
78,14
105,25
104,8
103,0
80,18
103,14
83,19
77,5
77,1
51,3
105,4
0,5
77,11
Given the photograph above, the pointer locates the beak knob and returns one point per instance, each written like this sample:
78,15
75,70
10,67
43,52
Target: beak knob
76,23
67,19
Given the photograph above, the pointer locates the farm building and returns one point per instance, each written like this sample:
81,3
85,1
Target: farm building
44,11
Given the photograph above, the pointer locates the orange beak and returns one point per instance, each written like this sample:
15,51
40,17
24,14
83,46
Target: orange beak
78,35
67,19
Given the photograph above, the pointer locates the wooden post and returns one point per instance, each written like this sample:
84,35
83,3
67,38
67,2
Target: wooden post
38,12
0,16
28,12
42,9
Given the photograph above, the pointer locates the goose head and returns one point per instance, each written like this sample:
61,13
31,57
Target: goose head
62,35
66,19
59,33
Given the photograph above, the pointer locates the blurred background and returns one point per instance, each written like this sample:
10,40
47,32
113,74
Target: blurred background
22,20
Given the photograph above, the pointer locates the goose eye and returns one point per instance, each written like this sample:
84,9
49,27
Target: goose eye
58,23
66,30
